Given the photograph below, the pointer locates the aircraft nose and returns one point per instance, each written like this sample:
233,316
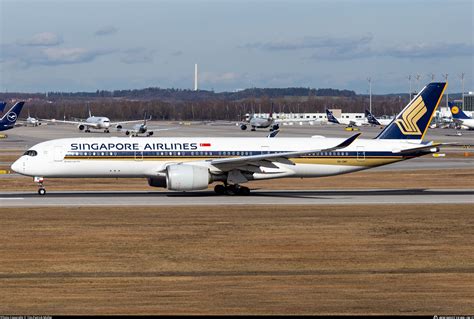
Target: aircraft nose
16,166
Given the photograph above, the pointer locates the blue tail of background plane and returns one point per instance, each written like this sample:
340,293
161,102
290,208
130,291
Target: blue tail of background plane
413,121
457,112
331,117
9,118
371,118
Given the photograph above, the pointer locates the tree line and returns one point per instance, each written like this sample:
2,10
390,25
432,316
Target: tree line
204,110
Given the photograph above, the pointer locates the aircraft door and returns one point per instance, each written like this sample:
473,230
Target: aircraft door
360,154
265,149
58,153
138,155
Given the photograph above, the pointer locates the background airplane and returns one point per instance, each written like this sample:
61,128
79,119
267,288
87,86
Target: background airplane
269,122
142,128
374,121
341,121
460,118
8,119
94,122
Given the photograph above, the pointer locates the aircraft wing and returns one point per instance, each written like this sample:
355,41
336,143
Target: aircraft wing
126,122
156,128
87,124
227,164
295,120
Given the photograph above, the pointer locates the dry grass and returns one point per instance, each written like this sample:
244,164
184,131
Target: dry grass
403,259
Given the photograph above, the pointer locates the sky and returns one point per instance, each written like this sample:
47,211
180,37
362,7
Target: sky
69,45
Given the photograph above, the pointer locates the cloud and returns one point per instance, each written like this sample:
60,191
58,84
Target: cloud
177,53
50,56
358,47
43,39
426,50
56,56
137,55
213,77
106,30
312,43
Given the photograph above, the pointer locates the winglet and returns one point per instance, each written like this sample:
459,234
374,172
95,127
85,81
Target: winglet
347,142
273,133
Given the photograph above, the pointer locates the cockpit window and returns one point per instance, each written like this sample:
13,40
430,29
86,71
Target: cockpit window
31,153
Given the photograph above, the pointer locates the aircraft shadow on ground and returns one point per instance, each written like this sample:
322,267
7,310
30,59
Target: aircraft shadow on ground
255,193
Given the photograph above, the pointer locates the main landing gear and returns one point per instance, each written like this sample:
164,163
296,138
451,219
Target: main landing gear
231,190
41,189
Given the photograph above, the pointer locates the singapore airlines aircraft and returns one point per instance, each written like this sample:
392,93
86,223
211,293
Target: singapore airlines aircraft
192,163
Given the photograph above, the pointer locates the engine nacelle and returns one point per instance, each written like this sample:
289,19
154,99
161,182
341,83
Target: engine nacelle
184,177
243,127
158,181
81,127
118,127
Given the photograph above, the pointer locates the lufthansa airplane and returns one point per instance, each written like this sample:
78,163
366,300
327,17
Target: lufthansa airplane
341,121
460,118
8,120
192,163
375,121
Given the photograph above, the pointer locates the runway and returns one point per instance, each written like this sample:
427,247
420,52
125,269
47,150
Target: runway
257,197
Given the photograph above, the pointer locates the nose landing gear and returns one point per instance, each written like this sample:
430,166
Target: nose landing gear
41,189
231,190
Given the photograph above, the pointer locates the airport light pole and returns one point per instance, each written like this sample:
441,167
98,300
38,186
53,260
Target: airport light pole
409,90
432,76
417,77
462,88
370,93
445,76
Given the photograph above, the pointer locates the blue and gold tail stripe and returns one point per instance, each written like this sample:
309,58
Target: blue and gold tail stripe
414,119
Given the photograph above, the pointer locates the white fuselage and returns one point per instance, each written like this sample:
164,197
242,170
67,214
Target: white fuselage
467,123
99,122
147,157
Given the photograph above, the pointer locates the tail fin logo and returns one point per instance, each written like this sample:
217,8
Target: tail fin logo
455,110
11,116
408,123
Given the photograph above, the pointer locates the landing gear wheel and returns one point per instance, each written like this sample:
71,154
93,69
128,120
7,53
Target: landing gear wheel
42,191
243,191
106,131
220,189
237,190
87,131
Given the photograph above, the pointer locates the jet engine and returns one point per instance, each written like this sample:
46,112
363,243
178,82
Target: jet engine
118,127
81,127
243,127
183,177
158,181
